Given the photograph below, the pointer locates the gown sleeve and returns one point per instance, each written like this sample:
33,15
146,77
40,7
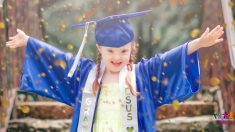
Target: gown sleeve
173,75
45,70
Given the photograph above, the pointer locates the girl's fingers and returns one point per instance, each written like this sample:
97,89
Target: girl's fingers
215,29
219,40
221,33
10,42
12,47
11,38
219,30
19,31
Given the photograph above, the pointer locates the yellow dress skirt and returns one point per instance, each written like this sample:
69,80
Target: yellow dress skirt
108,117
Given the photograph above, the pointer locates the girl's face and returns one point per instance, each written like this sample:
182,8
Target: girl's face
115,58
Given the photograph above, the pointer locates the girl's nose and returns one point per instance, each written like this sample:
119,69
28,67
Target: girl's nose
116,57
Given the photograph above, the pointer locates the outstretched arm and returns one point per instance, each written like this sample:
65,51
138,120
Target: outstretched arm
45,70
207,39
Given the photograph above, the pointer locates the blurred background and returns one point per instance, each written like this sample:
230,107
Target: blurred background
172,23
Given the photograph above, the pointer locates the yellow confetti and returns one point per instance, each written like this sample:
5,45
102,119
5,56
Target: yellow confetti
2,26
40,50
43,74
165,64
2,118
25,109
46,36
62,26
175,104
231,77
5,103
215,81
154,78
50,66
233,23
225,26
78,79
60,63
194,33
230,4
70,47
205,63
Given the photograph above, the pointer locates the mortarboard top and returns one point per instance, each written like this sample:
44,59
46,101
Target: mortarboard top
112,31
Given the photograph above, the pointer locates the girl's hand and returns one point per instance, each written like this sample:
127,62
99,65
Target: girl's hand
210,38
19,40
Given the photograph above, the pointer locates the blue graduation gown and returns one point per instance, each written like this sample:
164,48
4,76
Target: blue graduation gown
161,79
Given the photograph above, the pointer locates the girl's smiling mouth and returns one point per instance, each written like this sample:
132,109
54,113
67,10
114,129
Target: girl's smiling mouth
116,63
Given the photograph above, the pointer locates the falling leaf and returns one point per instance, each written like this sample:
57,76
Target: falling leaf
60,63
25,109
175,104
195,32
215,81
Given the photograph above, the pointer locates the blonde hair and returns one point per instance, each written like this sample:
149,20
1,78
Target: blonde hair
96,84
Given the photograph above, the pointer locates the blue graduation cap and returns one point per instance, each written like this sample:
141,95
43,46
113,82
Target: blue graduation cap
112,31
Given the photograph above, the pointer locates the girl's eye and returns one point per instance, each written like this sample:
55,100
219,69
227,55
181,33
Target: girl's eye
110,51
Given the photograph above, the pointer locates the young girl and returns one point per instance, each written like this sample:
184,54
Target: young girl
115,94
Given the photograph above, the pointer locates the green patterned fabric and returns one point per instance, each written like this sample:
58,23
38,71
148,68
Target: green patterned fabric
109,110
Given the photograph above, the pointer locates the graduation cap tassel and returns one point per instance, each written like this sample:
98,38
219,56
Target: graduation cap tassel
75,63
